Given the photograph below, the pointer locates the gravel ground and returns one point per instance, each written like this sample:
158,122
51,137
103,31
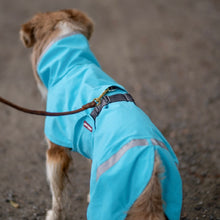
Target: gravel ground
166,53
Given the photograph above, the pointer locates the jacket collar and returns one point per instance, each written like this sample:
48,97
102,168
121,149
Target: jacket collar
63,54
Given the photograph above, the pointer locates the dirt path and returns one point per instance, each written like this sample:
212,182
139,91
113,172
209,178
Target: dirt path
166,53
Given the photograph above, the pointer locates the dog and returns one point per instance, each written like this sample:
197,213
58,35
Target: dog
134,174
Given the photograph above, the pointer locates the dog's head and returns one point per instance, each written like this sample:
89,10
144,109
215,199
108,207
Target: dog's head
45,27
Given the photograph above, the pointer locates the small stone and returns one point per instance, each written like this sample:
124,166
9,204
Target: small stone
200,203
198,181
197,208
193,169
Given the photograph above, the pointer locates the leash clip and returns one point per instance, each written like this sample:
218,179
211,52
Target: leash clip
98,100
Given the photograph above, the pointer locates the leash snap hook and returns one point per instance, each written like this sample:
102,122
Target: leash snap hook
98,100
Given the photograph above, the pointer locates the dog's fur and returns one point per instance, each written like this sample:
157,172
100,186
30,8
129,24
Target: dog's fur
42,29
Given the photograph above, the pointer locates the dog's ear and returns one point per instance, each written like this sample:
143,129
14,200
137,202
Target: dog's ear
90,28
27,34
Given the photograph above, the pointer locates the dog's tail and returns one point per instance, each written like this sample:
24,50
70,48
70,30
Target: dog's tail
149,204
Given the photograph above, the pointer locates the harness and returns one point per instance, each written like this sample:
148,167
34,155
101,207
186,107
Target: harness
110,99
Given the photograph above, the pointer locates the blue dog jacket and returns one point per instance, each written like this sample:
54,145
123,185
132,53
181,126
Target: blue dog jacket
121,141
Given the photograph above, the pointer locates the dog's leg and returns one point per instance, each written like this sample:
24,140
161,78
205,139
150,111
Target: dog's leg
88,195
58,160
149,204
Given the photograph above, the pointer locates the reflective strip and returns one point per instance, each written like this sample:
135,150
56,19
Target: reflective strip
158,143
116,157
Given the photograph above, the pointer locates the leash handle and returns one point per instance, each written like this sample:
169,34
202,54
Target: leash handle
45,113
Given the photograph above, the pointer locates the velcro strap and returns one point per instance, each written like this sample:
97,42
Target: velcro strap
110,99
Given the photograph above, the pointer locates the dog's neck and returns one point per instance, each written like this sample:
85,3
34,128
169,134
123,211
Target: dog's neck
62,54
62,35
65,29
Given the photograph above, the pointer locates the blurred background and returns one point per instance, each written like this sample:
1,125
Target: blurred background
166,53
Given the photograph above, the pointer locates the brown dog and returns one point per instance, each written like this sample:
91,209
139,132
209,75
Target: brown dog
38,33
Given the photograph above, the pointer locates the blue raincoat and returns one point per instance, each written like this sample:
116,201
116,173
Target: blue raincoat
121,141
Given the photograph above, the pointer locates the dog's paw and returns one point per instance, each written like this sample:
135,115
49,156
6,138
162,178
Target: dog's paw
52,215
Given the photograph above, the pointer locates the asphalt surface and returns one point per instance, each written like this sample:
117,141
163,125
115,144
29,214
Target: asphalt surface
166,53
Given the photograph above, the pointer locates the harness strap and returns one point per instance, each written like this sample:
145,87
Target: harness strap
110,99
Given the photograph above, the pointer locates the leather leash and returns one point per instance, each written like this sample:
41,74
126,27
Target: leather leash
45,113
91,104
